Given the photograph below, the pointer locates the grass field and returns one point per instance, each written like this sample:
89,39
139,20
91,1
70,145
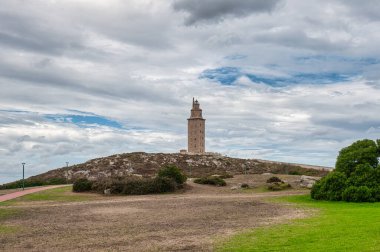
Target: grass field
337,226
61,194
4,214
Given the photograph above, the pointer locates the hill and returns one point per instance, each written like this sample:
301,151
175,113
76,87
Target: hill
148,164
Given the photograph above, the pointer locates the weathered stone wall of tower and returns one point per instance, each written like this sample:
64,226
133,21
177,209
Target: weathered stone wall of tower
196,130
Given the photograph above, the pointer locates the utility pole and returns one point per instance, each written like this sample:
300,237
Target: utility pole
23,176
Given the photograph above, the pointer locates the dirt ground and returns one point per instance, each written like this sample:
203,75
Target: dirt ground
189,221
2,192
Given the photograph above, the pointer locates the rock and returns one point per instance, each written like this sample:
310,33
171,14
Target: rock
107,192
148,164
308,181
234,187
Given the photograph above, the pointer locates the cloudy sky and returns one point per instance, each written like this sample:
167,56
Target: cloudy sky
286,80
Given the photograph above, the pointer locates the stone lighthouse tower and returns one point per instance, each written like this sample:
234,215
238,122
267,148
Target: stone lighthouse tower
196,130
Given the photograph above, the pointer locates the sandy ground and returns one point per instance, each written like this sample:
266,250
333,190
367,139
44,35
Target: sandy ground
190,221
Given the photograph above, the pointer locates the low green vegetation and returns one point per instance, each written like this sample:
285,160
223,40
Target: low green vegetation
356,177
226,176
34,182
212,180
169,179
276,184
61,194
336,226
6,213
82,185
172,172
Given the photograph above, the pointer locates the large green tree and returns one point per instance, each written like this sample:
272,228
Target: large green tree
359,153
356,176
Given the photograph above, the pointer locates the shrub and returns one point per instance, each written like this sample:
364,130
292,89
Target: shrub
362,176
330,187
274,179
294,173
217,181
278,186
245,186
226,176
316,191
375,191
101,184
162,185
135,185
357,194
173,172
82,185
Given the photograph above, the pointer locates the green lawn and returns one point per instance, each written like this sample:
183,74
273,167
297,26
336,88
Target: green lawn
337,226
61,194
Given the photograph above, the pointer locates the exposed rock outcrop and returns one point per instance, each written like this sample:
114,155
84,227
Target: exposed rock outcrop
308,181
148,164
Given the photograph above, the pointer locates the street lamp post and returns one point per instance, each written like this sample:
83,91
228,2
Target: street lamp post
23,176
67,164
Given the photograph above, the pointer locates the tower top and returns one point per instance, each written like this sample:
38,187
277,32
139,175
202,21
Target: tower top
196,105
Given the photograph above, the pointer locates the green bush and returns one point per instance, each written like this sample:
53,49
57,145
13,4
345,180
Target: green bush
274,179
162,185
278,186
357,194
217,181
375,191
330,187
135,185
356,177
294,173
82,185
173,172
245,186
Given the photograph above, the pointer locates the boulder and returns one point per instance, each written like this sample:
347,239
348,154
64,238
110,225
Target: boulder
308,181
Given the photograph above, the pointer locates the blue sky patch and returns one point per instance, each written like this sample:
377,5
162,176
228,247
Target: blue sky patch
228,75
85,120
224,75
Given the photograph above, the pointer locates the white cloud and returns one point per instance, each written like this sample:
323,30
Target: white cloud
137,63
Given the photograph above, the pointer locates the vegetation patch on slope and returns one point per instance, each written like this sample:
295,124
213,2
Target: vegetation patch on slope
169,179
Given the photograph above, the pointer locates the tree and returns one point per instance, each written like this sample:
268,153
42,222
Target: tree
356,177
361,152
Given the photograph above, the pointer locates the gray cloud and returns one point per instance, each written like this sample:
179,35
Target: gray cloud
215,10
369,10
134,63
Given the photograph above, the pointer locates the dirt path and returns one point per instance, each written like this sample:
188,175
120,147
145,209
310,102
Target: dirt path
17,194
